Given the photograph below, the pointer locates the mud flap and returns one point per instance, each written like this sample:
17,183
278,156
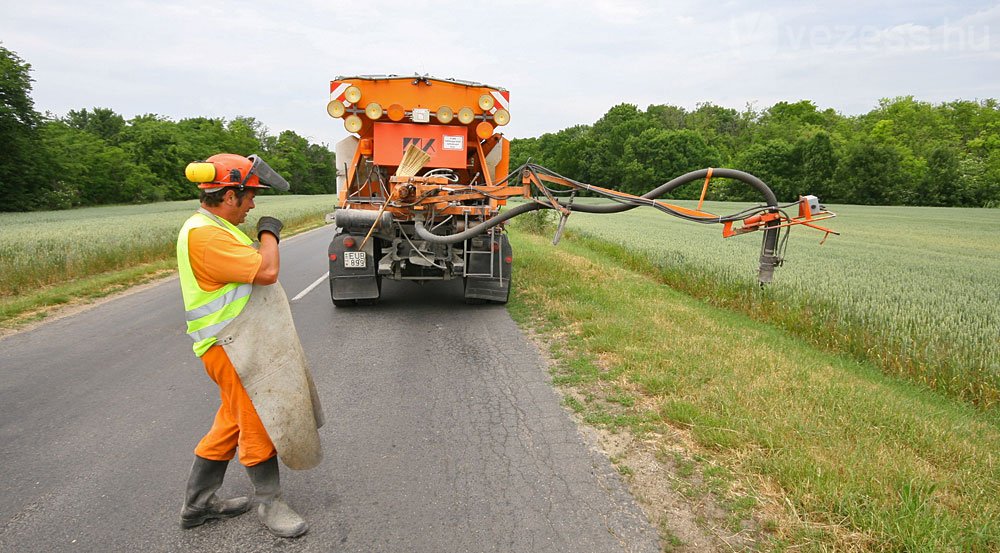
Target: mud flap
264,347
491,289
350,283
488,272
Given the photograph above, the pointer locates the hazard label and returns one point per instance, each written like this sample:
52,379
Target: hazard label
453,142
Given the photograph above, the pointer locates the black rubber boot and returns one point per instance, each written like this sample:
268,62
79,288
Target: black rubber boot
200,502
276,515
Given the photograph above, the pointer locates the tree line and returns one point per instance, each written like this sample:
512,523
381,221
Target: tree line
903,152
96,156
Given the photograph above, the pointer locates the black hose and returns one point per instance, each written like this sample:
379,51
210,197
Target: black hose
736,174
425,234
768,256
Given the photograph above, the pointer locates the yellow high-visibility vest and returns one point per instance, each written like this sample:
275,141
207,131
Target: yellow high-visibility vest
207,313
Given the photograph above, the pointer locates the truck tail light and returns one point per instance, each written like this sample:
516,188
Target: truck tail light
486,102
349,242
501,117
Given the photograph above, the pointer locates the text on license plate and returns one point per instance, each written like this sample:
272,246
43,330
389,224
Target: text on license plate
354,260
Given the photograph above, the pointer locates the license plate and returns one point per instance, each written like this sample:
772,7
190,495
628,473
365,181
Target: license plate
354,260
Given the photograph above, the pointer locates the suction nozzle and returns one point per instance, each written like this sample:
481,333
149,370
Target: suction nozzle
768,254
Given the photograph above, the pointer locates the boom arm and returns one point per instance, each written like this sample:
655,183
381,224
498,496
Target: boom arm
771,217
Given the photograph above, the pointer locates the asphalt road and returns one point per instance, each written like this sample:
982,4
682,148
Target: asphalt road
443,433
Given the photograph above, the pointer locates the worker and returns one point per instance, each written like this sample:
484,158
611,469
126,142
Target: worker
221,271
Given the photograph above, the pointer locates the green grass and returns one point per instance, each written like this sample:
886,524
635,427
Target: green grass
910,289
842,456
53,257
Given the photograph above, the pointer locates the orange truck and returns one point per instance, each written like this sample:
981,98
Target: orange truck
463,183
424,175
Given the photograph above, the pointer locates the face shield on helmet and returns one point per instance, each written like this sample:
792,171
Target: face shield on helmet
267,176
231,170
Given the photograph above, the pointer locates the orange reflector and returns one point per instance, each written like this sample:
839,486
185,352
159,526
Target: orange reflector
396,112
484,130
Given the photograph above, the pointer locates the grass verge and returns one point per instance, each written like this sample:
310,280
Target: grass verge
820,451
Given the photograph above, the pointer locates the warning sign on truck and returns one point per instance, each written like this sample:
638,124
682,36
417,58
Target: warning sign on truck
444,143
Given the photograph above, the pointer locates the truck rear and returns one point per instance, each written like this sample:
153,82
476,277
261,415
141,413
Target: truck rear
422,150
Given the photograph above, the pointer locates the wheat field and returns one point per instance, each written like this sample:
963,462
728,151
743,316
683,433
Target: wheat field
914,289
44,248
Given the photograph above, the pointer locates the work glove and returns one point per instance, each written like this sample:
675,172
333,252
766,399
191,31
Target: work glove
269,224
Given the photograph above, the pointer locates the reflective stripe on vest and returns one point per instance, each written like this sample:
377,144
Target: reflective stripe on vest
207,313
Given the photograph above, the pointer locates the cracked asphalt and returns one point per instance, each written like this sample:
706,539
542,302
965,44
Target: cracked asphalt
443,432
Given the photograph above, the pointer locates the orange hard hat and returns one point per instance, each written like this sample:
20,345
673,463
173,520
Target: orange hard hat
224,170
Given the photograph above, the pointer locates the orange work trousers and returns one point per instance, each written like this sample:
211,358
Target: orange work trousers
236,424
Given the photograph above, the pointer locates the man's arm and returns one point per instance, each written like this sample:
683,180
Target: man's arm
270,260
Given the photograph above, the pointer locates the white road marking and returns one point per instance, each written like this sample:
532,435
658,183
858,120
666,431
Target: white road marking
311,286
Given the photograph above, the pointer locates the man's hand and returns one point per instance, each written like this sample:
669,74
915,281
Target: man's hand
269,224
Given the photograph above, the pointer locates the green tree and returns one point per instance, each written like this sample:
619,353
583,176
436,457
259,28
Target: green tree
656,156
93,172
245,135
727,129
667,117
101,122
155,142
25,177
941,184
201,137
772,161
570,151
605,156
322,173
917,125
288,155
880,173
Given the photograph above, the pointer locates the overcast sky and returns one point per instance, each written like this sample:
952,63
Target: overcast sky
564,62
